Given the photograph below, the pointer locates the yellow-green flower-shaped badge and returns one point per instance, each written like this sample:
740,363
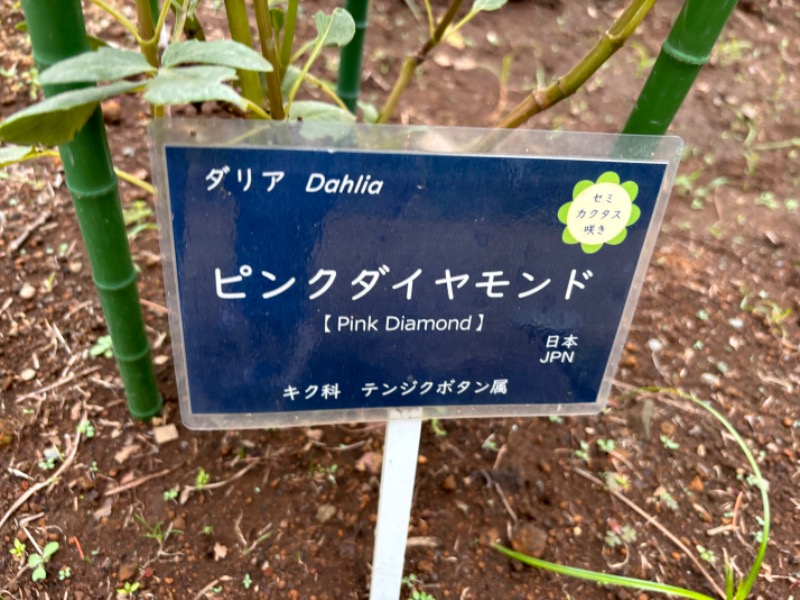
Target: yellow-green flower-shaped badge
600,212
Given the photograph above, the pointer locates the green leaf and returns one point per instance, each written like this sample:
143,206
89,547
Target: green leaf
56,119
49,549
312,110
225,53
192,84
34,560
39,574
14,154
370,112
107,64
336,29
278,16
487,5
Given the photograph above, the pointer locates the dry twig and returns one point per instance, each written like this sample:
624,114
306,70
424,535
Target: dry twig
23,237
137,482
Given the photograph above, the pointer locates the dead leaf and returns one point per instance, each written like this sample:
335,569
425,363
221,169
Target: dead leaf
370,462
464,63
441,59
125,453
105,510
314,434
165,433
220,552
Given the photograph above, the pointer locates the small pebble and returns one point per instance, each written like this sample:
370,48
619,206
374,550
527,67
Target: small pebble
449,483
528,539
27,374
27,292
326,512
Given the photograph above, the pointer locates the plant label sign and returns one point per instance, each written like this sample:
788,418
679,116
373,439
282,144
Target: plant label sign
340,273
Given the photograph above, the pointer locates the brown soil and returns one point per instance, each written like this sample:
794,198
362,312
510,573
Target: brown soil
718,318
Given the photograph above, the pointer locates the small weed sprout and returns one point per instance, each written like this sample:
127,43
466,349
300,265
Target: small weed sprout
583,452
207,530
607,446
64,573
669,443
48,463
49,457
438,430
129,589
706,554
86,429
412,581
667,499
620,536
617,481
316,470
247,582
201,479
18,550
558,420
155,532
37,561
171,494
138,218
489,444
102,347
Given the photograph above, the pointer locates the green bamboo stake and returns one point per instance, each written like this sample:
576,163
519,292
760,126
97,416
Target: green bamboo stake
57,32
349,83
682,56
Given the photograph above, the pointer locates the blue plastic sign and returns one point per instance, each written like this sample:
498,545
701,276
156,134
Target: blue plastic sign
310,280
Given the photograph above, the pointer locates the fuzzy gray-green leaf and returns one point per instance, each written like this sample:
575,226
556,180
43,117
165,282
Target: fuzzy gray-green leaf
106,64
487,5
226,53
56,119
192,84
336,29
311,110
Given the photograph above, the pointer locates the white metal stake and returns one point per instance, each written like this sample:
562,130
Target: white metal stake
400,452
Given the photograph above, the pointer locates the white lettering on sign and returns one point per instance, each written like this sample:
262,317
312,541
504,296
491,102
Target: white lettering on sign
366,281
363,184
